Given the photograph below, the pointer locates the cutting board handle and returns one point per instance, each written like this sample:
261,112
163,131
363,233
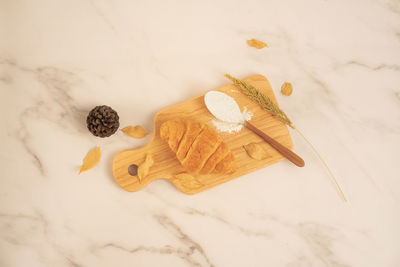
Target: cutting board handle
124,164
164,161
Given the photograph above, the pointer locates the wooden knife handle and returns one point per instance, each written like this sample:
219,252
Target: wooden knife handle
284,151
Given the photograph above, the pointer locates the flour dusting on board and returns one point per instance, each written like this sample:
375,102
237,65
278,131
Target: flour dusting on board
227,111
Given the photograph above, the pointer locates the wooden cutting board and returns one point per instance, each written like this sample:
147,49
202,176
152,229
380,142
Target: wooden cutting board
166,164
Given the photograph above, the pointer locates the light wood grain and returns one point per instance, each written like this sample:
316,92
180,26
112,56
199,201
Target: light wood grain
166,164
284,151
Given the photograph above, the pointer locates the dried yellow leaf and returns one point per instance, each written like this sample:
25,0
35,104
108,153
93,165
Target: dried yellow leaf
255,151
135,131
144,168
187,181
257,44
91,159
287,88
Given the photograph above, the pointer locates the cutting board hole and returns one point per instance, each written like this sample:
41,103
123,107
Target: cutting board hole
132,170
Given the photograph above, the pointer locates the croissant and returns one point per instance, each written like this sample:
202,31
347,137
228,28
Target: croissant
198,147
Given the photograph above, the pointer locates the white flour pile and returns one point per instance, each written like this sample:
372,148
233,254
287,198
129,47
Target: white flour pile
227,111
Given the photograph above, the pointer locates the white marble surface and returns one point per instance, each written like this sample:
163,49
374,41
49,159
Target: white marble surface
58,59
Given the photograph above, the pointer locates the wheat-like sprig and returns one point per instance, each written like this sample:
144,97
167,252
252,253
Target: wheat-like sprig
263,100
266,103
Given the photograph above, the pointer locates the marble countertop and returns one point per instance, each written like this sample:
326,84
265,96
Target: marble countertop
59,59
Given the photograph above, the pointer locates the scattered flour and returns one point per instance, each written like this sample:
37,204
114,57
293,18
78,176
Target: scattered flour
227,127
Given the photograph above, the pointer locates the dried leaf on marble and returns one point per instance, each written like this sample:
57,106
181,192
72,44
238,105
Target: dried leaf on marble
135,131
257,44
286,89
91,159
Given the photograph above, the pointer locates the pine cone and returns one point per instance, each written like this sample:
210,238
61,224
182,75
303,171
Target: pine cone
102,121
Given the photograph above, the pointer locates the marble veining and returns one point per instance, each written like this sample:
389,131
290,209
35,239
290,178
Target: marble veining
241,229
19,229
189,251
58,107
102,15
393,67
60,59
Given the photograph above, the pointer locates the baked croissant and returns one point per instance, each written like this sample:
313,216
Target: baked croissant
198,147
